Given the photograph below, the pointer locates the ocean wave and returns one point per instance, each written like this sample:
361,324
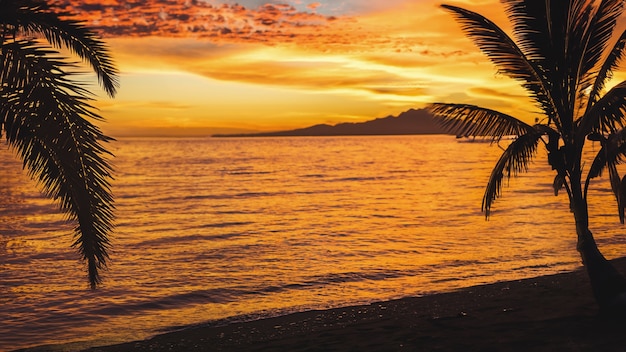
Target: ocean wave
245,173
314,176
355,179
219,295
170,240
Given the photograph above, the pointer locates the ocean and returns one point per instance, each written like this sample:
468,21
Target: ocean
214,230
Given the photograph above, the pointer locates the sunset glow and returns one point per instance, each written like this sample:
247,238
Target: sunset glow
200,67
170,180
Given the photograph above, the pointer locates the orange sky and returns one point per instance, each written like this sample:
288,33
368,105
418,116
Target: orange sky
215,66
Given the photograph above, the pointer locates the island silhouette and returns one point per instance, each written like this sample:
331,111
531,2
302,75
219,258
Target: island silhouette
413,121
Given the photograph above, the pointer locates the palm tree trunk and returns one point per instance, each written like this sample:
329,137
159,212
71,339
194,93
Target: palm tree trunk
608,285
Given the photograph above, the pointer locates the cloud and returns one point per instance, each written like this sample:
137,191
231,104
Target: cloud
313,6
267,22
381,27
498,94
398,91
262,65
165,105
264,21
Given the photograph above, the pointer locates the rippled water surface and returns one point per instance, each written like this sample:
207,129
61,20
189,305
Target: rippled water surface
212,229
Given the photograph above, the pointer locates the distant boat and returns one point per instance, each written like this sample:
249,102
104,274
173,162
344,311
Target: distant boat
481,139
473,139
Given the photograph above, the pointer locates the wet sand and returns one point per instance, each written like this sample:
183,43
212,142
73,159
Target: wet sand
549,313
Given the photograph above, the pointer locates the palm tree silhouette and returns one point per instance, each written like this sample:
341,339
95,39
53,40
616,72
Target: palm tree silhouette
564,55
43,112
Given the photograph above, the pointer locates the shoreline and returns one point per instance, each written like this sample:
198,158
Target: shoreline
547,313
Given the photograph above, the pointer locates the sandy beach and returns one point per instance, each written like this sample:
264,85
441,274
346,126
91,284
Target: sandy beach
549,313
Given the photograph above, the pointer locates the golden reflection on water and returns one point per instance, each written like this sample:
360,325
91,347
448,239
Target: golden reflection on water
217,228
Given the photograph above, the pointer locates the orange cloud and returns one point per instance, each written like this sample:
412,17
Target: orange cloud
185,18
313,6
403,26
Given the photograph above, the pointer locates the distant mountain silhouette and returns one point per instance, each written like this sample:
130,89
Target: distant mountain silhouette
409,122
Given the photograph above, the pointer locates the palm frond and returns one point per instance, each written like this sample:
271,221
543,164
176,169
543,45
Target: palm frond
591,35
590,44
616,187
515,159
531,29
605,72
508,57
606,116
558,183
621,200
611,154
36,17
43,115
470,120
614,178
555,35
598,164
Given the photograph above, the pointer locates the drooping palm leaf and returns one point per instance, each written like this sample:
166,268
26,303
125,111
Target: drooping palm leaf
471,120
507,57
606,116
609,156
611,153
558,183
515,159
35,17
614,178
621,200
43,116
598,164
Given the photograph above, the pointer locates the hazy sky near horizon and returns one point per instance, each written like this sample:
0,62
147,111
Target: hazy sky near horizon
269,65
